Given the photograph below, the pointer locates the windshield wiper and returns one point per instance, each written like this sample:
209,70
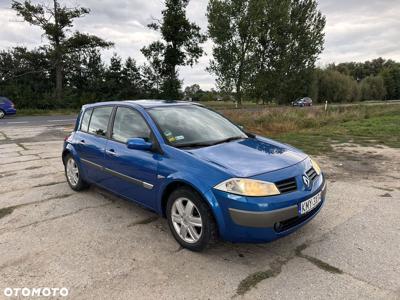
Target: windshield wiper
227,140
207,144
193,145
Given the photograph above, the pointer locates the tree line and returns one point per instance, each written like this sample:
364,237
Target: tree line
262,51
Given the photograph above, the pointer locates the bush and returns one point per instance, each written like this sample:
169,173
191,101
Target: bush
333,86
373,88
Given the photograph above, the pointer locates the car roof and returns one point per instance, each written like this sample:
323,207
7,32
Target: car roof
144,103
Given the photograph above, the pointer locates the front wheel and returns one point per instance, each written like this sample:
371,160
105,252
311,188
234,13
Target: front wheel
190,219
73,174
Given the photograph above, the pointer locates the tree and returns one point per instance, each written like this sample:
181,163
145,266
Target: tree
233,26
24,76
113,77
332,86
191,92
360,70
180,46
265,48
373,88
391,78
131,80
84,77
292,37
56,21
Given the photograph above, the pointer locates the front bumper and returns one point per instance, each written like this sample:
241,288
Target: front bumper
264,219
273,218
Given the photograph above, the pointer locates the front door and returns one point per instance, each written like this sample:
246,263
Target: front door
132,173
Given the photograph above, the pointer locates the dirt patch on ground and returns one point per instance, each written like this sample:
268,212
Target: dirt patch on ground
351,161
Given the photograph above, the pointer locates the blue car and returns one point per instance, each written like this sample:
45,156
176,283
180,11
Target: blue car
191,165
6,107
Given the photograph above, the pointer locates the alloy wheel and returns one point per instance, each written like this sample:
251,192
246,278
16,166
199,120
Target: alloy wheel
187,220
72,172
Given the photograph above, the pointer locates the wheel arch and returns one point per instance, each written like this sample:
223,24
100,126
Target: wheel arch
64,155
206,195
172,186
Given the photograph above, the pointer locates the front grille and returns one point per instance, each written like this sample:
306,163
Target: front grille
287,185
287,224
312,174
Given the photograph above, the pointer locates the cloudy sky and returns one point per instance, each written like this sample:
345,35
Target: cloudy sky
356,30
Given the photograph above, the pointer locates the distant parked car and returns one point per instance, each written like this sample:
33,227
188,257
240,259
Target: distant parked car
306,101
6,107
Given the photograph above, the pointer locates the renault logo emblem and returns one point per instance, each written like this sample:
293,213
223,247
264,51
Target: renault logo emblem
307,181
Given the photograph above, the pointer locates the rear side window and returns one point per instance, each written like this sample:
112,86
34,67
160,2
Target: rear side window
85,120
129,124
99,121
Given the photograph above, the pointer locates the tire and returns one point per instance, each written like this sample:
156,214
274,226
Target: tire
73,174
2,114
199,214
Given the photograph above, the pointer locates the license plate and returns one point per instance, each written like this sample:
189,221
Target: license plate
310,204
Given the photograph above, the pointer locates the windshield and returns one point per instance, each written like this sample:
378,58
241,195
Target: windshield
194,126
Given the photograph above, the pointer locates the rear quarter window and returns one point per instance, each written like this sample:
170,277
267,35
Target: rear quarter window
99,120
85,120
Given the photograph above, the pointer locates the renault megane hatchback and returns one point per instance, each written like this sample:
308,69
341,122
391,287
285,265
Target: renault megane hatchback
207,176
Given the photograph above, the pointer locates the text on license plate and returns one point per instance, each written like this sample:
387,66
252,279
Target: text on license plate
310,204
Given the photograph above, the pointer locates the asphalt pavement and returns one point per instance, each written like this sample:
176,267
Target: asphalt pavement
38,120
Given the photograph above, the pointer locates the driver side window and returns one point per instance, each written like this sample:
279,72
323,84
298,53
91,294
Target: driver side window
129,124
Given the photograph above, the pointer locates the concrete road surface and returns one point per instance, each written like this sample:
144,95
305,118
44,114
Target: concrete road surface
101,247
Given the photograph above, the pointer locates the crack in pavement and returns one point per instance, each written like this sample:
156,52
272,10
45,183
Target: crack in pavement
6,137
8,210
22,146
144,221
315,261
253,279
48,184
24,161
7,175
275,269
55,218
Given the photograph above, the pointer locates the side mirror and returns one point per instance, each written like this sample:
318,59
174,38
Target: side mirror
241,127
139,144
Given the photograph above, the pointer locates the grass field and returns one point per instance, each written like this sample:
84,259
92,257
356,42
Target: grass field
315,130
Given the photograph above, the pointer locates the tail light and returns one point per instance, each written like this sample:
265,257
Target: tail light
68,137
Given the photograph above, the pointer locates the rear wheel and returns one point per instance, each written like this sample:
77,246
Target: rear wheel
2,114
190,219
73,174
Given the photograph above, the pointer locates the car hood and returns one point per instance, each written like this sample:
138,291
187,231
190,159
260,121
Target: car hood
250,157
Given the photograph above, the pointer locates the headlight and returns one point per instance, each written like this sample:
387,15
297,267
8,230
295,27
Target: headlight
316,166
248,187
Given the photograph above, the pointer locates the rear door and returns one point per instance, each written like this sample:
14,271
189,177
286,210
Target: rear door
91,140
133,172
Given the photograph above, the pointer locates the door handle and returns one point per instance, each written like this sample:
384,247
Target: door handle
111,152
82,142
